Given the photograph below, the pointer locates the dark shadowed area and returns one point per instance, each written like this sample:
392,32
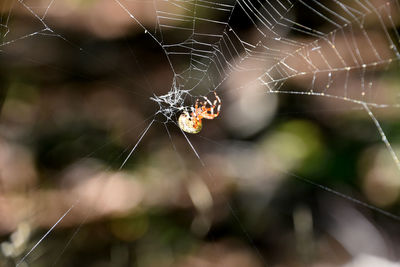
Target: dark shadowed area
94,170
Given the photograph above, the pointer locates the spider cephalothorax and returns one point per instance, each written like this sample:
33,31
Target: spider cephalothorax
191,123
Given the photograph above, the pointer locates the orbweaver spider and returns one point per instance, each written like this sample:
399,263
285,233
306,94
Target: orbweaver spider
191,123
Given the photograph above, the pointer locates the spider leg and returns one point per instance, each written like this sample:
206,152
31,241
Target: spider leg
203,107
212,105
196,116
194,111
217,97
219,103
208,101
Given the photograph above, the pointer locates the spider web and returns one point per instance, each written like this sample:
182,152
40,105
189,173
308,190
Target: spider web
209,49
268,42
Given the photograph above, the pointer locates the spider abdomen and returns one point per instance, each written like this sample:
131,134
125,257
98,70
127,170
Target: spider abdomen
189,124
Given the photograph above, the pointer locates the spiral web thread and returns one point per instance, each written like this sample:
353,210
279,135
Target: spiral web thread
358,40
339,60
269,41
208,49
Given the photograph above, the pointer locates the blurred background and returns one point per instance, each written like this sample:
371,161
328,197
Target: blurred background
75,101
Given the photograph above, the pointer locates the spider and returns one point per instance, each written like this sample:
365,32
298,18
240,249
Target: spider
191,123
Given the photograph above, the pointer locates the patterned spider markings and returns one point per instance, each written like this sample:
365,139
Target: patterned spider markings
192,123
